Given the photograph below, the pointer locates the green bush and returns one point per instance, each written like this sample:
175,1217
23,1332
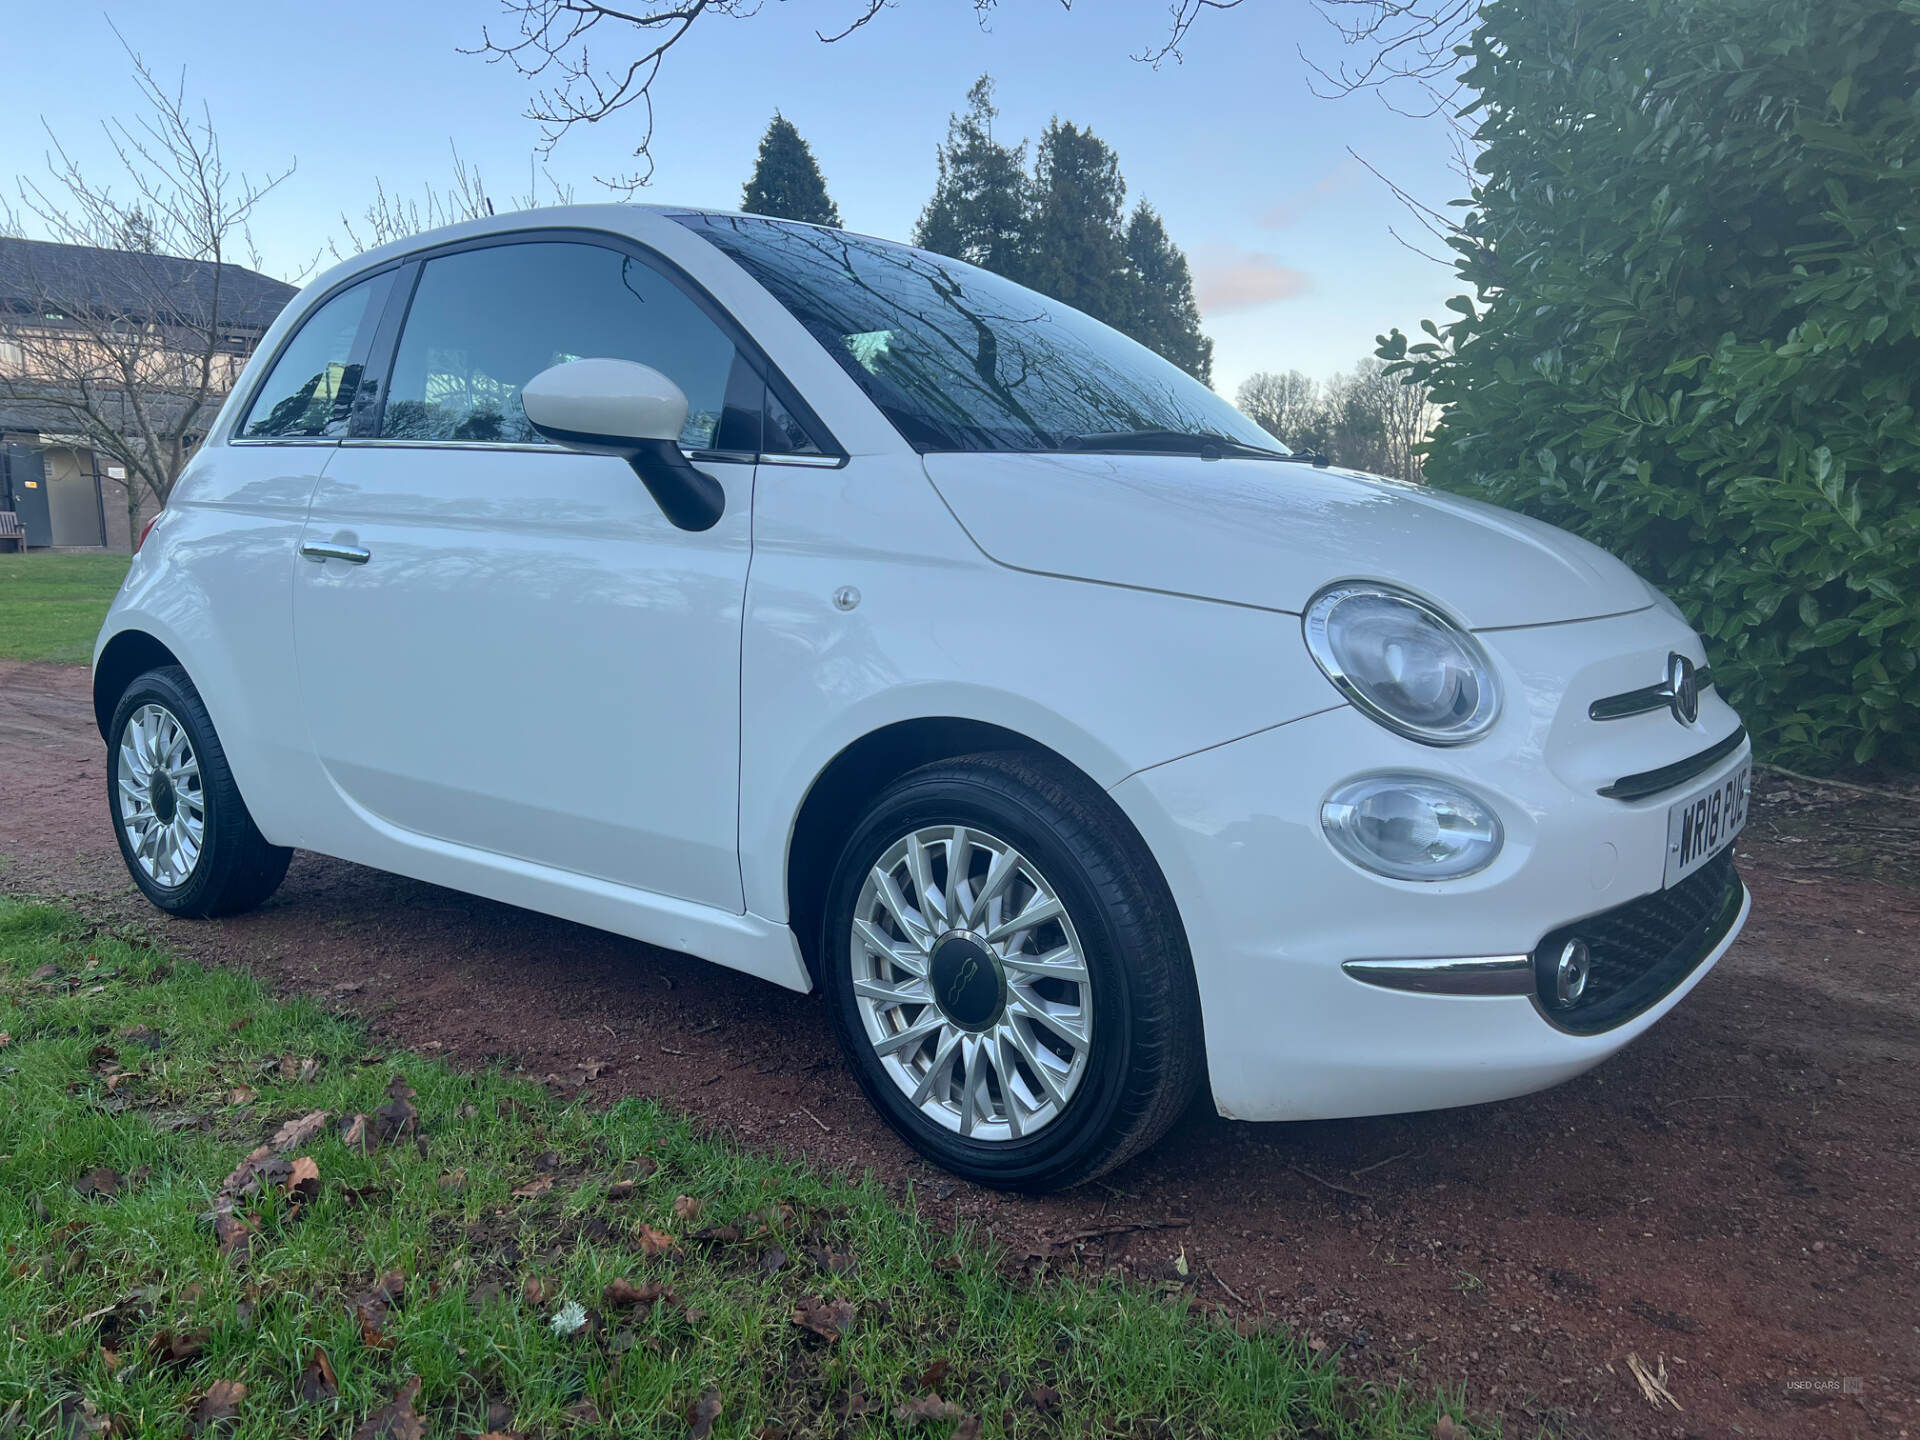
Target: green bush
1694,248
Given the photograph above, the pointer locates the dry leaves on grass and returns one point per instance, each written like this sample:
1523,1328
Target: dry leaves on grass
1445,1429
829,1319
397,1119
317,1381
625,1293
534,1188
686,1208
295,1133
370,1310
169,1348
396,1419
654,1243
221,1403
701,1415
100,1183
927,1407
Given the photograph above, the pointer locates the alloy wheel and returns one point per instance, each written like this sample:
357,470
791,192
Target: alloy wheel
971,983
160,798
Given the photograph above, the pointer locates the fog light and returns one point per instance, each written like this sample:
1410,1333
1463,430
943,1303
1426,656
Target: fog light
1570,972
1411,827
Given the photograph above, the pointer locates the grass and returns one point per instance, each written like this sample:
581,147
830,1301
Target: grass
427,1264
51,606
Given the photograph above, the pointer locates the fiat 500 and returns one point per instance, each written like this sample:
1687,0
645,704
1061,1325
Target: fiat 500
855,618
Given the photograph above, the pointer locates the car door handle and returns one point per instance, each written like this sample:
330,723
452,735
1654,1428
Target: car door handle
327,550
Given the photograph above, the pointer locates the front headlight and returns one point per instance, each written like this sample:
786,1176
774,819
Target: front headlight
1402,662
1412,827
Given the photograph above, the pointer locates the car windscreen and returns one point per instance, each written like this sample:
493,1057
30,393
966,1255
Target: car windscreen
959,358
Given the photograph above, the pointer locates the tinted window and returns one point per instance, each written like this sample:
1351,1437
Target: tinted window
312,382
962,359
484,322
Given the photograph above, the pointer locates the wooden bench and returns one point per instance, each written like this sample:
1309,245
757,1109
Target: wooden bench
12,529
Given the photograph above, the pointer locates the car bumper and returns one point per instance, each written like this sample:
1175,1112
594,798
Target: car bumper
1274,916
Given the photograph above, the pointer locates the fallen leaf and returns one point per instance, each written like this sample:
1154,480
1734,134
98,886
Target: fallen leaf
534,1188
295,1133
454,1181
236,1236
317,1381
168,1348
100,1183
1045,1399
625,1292
772,1260
546,1160
826,1318
1445,1429
370,1309
396,1419
538,1292
397,1117
6,1039
220,1403
701,1415
241,1095
926,1407
620,1190
968,1428
356,1133
830,1262
654,1242
935,1374
303,1182
1180,1263
686,1208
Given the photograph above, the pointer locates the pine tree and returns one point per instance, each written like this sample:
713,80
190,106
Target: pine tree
786,179
1075,250
1163,314
979,204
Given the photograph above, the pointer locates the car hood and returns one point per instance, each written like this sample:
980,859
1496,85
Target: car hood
1257,532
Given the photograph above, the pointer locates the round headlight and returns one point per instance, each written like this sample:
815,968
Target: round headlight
1404,663
1411,827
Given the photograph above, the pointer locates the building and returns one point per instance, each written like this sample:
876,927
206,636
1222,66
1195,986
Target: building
73,321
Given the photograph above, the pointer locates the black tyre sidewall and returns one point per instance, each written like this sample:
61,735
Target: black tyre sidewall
229,831
1075,1143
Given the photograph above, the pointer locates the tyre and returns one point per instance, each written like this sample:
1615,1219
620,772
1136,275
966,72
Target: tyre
184,831
1008,975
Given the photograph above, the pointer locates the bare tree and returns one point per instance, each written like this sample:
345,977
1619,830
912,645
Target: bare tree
394,217
129,351
564,45
1287,405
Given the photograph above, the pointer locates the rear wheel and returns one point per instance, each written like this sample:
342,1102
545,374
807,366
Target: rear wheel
1007,973
183,829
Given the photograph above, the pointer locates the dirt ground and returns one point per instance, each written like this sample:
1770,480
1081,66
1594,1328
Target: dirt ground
1736,1197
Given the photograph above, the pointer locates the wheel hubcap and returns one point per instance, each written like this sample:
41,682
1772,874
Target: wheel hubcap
971,983
162,808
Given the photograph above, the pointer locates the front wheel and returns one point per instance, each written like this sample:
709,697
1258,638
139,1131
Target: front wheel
184,831
1008,975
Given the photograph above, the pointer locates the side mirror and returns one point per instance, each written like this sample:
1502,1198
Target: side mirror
616,407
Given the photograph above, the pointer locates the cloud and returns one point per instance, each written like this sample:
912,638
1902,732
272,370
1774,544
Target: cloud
1228,280
1289,209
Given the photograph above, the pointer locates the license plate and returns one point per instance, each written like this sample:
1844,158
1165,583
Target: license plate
1705,823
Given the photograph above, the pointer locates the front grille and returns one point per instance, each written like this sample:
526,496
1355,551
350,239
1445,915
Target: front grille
1641,950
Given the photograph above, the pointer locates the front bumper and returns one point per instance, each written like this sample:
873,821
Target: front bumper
1273,914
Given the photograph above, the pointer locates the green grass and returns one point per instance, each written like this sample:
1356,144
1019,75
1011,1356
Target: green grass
51,606
123,1308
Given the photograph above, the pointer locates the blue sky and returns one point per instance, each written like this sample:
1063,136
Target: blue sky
1288,234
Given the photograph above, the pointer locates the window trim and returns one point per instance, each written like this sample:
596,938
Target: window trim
365,342
378,363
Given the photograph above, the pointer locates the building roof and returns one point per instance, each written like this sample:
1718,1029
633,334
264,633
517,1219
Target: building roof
82,276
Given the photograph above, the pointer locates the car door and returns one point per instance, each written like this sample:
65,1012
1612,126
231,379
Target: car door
519,654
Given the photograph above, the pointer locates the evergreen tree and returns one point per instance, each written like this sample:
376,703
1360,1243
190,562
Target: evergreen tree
979,204
1075,249
1164,316
786,179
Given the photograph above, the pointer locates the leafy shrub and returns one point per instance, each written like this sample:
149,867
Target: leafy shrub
1694,247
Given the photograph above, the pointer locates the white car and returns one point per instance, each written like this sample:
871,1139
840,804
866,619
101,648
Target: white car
860,620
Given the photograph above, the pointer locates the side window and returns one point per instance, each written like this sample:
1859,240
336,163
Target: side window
484,322
311,385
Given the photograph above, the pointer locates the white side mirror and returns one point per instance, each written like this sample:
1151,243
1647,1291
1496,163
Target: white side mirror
618,407
604,405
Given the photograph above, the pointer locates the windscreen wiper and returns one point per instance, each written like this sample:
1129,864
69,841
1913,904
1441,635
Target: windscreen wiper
1177,442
